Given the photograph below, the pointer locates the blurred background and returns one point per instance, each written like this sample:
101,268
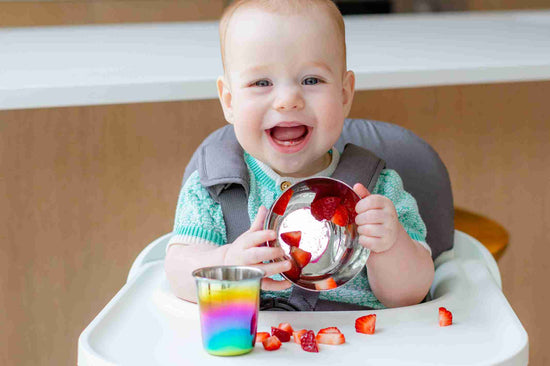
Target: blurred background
62,12
84,189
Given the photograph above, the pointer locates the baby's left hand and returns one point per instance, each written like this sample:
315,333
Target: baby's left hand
376,219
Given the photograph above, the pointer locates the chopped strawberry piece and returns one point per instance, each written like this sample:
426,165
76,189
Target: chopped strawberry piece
282,202
301,257
341,216
324,208
366,324
283,336
294,272
308,342
261,336
349,202
286,327
292,238
329,330
445,317
297,334
327,284
271,343
330,338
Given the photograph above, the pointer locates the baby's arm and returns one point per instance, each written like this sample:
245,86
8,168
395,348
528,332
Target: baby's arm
182,259
400,270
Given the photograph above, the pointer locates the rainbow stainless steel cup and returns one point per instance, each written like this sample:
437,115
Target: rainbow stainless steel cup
229,301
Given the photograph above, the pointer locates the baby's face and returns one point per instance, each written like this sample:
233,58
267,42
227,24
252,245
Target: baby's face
285,89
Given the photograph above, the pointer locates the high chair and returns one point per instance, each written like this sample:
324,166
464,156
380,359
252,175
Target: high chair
145,324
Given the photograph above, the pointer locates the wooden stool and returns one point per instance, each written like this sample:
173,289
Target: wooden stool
491,234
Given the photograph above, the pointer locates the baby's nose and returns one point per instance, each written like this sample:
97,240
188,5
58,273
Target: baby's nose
289,99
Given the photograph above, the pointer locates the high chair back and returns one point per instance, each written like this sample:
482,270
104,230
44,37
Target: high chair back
424,174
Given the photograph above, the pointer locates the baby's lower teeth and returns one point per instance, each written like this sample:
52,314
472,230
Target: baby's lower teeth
289,142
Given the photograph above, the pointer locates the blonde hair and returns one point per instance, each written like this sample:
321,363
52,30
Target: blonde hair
284,7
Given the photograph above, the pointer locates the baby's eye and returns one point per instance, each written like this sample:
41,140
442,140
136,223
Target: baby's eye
311,81
262,83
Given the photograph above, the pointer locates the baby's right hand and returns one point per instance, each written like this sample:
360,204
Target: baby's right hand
247,250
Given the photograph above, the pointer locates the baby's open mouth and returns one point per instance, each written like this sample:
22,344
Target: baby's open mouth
288,136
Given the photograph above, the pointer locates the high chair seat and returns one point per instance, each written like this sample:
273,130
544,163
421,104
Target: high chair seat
145,324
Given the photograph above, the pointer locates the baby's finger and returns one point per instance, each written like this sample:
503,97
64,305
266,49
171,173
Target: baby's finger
261,254
373,201
361,190
258,223
255,238
370,217
273,268
373,230
269,284
370,242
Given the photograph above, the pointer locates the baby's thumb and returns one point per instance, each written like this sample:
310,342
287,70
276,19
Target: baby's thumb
361,190
258,223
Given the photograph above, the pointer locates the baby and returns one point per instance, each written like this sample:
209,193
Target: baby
286,91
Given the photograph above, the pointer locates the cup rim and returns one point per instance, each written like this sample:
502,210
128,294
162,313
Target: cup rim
260,272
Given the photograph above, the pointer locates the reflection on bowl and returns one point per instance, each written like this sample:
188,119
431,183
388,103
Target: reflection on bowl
315,224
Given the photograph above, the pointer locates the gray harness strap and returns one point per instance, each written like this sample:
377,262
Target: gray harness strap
224,174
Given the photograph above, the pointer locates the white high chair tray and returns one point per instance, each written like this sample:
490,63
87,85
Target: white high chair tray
144,324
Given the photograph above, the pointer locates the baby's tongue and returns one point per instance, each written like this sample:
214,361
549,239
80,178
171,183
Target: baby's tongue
288,133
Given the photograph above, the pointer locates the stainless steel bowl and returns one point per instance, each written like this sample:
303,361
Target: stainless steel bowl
336,255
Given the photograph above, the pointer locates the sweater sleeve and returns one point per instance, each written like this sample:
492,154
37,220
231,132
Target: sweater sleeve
199,219
390,185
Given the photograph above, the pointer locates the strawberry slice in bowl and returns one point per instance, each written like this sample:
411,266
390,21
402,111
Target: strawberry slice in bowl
282,202
341,216
324,208
301,257
327,284
292,238
294,273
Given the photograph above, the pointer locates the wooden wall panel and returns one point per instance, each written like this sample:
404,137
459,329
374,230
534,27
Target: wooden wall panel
507,4
72,12
84,189
494,142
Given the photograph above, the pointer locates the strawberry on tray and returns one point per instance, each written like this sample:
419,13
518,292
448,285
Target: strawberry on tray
297,335
331,335
445,317
261,336
283,335
308,342
286,327
271,343
366,324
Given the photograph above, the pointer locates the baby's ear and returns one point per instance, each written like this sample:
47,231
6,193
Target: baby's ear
348,90
224,94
